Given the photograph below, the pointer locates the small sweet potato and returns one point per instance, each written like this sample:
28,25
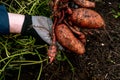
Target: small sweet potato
86,18
66,38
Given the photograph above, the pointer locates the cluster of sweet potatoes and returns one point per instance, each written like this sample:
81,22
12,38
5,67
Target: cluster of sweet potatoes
69,19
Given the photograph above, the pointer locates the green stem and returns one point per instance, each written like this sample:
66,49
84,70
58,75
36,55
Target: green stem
29,62
11,56
19,72
7,53
38,78
5,65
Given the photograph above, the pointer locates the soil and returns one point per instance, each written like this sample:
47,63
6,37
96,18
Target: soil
101,60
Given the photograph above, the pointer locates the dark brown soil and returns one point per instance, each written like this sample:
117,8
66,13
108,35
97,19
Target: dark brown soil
101,60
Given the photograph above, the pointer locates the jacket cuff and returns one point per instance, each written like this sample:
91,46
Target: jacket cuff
4,20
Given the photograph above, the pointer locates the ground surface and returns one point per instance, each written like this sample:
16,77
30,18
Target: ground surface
101,60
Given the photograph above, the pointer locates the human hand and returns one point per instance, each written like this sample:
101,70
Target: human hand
41,27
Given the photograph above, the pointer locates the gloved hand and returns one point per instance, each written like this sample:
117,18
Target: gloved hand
38,26
42,25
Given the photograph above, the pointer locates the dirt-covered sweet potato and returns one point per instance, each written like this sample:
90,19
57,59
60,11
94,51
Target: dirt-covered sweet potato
84,3
86,18
66,38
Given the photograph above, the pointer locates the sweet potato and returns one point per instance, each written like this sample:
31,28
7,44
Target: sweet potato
84,3
66,38
86,18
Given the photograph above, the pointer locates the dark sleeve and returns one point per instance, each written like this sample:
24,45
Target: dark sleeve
4,21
